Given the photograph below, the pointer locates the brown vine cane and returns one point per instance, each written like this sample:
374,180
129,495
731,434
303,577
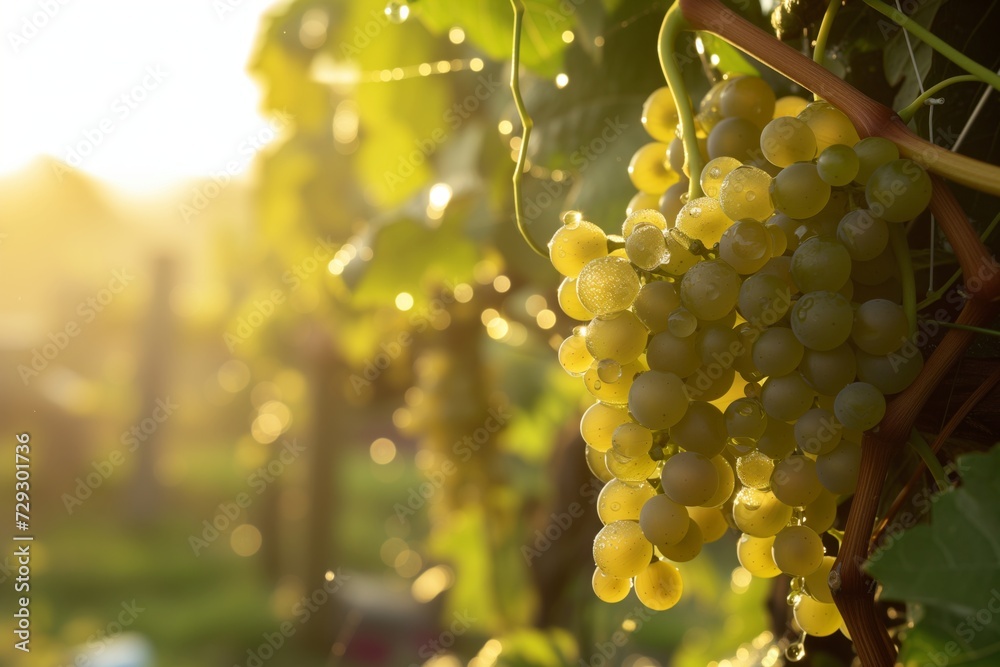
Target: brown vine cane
855,594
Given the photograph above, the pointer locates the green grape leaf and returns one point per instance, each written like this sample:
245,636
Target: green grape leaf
529,647
950,567
731,59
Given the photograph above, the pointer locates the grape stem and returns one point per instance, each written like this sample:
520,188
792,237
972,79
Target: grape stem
966,327
910,110
819,51
897,237
929,459
673,23
526,123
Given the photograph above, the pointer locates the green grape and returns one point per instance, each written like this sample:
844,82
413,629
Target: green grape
613,390
754,469
659,586
821,263
632,470
745,421
610,589
817,431
714,172
788,226
727,482
746,334
645,216
689,478
859,406
641,200
576,243
687,548
681,322
569,302
777,351
709,384
655,301
786,140
898,191
679,257
646,247
675,154
673,200
763,299
649,171
711,521
573,355
872,153
631,440
659,115
599,423
794,481
622,501
701,430
711,101
745,194
663,521
737,138
709,289
595,461
620,550
779,242
778,440
864,235
786,397
880,327
829,371
763,517
746,246
620,336
822,320
747,97
838,470
754,554
892,373
702,219
657,400
797,551
817,583
837,165
718,345
669,354
607,285
816,618
829,125
821,513
799,192
790,105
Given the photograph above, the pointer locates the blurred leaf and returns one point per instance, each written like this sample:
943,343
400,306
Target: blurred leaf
538,648
731,59
898,63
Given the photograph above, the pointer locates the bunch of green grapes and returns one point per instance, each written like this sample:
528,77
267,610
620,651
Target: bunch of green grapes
738,344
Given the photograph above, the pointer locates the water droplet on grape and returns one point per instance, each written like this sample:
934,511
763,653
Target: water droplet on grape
795,651
751,195
715,172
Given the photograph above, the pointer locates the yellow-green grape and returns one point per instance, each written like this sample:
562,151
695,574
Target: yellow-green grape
657,400
829,371
701,430
718,344
779,242
663,521
880,327
613,390
610,589
747,334
679,258
898,191
821,513
747,97
714,172
671,202
754,470
746,246
799,192
620,550
702,219
745,194
838,470
829,125
727,482
818,431
599,422
822,320
649,170
681,322
631,440
659,115
645,216
859,406
790,105
837,165
816,618
709,384
765,520
797,551
689,478
711,521
675,155
710,289
687,548
864,235
569,302
821,263
576,243
817,583
734,137
573,355
872,153
607,285
794,481
788,226
710,102
764,299
622,501
745,422
786,397
595,461
754,554
787,140
609,370
620,336
669,354
655,301
636,469
778,440
659,586
777,351
641,200
646,247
